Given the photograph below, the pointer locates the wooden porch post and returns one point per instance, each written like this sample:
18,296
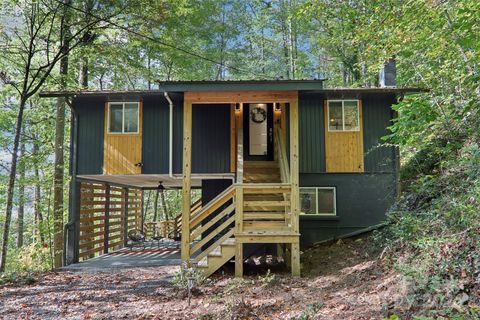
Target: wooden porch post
186,182
294,180
125,216
106,234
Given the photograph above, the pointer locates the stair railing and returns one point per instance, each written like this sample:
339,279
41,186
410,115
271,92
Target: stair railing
203,220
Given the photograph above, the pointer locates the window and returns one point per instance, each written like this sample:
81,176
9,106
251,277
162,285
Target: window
123,117
343,115
318,201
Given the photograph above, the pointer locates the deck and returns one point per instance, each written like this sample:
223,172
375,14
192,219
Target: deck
153,255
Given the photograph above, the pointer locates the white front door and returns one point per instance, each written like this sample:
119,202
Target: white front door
257,121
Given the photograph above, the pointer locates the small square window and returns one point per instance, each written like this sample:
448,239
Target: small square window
318,201
343,115
123,117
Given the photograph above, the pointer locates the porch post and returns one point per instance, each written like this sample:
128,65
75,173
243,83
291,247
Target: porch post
294,180
125,216
186,182
106,230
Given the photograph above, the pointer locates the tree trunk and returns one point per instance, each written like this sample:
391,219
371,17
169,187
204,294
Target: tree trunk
21,195
37,213
11,184
155,206
58,175
164,204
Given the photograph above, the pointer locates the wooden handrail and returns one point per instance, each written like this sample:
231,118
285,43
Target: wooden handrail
282,157
240,155
198,231
213,205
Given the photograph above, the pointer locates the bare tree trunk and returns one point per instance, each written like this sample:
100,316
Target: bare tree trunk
37,193
164,204
58,175
146,205
21,195
11,184
155,206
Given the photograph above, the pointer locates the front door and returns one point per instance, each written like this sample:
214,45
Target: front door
258,131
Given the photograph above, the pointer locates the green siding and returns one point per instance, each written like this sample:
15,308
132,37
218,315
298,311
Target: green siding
90,112
211,138
311,134
377,115
155,138
362,201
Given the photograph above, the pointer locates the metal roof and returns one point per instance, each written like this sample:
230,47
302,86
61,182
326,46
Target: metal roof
314,85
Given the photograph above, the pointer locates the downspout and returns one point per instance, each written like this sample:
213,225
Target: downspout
170,135
70,240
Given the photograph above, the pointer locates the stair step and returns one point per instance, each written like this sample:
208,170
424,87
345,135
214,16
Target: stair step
263,215
229,242
261,203
260,164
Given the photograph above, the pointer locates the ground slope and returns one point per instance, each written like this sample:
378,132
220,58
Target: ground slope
342,280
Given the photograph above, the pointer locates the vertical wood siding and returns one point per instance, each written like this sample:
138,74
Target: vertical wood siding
211,138
155,137
122,151
377,115
90,114
344,150
311,134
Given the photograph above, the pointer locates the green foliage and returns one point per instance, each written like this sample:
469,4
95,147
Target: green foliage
434,233
23,278
188,276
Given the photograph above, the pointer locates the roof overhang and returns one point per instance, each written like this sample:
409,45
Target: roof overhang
151,181
312,86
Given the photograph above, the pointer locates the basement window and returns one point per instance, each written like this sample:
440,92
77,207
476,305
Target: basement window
123,117
318,201
343,115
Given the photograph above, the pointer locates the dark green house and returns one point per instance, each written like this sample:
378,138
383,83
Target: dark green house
284,162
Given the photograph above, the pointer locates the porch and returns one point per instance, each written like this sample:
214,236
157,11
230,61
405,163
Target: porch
258,205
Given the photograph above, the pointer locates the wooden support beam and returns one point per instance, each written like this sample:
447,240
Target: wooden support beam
238,259
125,216
186,179
106,234
294,164
294,180
295,263
221,97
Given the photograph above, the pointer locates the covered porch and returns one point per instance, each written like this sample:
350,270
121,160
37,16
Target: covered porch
257,204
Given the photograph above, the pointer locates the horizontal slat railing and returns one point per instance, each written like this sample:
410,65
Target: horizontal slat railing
270,213
213,205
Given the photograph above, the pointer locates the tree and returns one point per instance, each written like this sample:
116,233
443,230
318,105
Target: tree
59,165
32,59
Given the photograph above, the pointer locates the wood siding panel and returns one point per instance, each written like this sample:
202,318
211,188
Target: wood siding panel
122,151
90,135
312,134
211,138
155,134
377,116
344,149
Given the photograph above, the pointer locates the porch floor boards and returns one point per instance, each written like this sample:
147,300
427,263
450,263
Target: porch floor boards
151,256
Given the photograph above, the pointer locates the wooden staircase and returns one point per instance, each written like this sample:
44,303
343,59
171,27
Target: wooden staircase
256,209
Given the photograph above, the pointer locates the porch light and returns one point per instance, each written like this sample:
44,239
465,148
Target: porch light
277,107
238,107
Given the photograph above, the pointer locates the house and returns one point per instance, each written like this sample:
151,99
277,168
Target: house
284,162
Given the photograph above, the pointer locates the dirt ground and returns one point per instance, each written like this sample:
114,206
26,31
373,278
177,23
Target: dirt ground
342,280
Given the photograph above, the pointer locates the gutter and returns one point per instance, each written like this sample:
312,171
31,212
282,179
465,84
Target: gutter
170,135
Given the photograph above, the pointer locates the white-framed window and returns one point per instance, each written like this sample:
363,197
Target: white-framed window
123,117
318,201
343,115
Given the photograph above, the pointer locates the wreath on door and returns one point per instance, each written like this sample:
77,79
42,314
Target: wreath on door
258,115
